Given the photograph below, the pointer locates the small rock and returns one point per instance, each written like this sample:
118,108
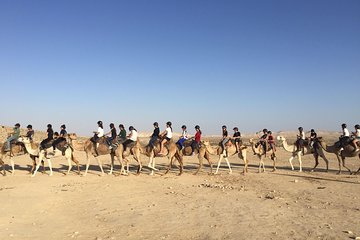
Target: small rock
296,181
357,238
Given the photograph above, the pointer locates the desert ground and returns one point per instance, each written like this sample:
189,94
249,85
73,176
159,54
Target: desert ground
273,205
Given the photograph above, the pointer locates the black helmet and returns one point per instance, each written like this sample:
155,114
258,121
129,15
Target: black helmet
357,126
183,126
300,128
29,126
343,125
99,122
269,132
121,126
17,125
63,126
49,125
156,124
168,123
112,125
265,130
223,126
312,130
197,127
235,129
131,128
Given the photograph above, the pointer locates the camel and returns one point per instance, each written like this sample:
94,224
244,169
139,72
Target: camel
293,150
172,151
33,150
341,155
16,149
229,151
261,154
202,153
135,151
68,152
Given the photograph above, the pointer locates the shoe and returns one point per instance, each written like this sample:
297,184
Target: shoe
110,147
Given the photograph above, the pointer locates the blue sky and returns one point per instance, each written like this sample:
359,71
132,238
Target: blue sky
253,64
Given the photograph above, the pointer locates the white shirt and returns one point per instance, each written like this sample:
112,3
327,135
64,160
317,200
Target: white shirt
357,133
184,134
346,132
302,135
168,132
100,132
134,135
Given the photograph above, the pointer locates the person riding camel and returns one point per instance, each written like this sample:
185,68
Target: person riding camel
61,138
14,135
131,138
168,136
155,134
263,140
300,140
183,138
99,133
312,138
122,134
195,144
237,138
50,137
30,132
112,136
271,141
344,139
356,137
225,138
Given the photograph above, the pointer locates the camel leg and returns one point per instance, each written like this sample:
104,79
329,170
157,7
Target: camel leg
180,160
50,167
69,164
227,162
3,166
290,161
112,164
339,161
12,166
316,156
137,158
300,161
273,157
219,162
170,164
100,165
200,157
343,163
77,163
207,157
87,164
37,167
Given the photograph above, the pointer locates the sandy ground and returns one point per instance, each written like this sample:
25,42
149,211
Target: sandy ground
274,205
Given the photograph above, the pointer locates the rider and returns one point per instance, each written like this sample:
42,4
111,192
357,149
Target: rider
155,134
168,135
300,140
30,133
15,134
122,134
99,133
224,137
312,138
183,138
263,139
62,137
345,137
356,137
113,135
50,136
237,137
132,137
271,141
196,141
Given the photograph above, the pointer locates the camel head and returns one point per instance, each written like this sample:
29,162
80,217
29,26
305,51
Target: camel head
24,139
72,136
280,138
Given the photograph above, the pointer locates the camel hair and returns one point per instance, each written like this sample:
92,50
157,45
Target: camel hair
348,151
293,150
261,154
45,154
230,150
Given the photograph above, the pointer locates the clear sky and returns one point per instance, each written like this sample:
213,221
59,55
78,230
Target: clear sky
277,64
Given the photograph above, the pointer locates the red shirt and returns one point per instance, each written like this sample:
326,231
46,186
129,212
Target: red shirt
197,137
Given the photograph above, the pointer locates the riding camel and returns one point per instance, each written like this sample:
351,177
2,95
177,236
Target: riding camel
258,150
307,150
230,150
33,149
348,151
61,149
202,153
16,149
171,151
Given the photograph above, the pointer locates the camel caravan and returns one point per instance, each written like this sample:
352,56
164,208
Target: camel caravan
125,147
